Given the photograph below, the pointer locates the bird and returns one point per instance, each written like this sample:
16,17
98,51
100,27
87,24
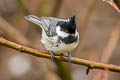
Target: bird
58,35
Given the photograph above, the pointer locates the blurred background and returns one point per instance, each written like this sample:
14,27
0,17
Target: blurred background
97,22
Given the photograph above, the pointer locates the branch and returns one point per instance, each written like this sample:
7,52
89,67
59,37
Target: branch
91,64
114,3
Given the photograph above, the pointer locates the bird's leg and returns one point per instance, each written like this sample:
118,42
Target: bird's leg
51,55
69,57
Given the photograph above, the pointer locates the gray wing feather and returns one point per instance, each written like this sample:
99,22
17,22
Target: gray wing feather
42,23
46,23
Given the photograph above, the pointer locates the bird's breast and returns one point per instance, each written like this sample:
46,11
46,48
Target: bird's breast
58,45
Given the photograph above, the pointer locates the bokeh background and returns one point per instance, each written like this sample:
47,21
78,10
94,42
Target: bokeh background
97,22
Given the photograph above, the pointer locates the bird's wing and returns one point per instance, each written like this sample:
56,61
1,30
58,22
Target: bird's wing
46,23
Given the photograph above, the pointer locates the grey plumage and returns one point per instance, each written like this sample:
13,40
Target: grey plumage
46,23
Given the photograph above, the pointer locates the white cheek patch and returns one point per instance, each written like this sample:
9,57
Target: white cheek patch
68,20
61,33
76,33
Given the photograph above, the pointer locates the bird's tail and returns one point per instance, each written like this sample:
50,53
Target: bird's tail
33,19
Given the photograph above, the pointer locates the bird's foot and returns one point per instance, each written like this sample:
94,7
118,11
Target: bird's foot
51,55
69,57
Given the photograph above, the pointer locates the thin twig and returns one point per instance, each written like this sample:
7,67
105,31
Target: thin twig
114,3
91,64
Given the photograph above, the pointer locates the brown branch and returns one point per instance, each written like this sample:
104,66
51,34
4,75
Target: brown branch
91,64
114,3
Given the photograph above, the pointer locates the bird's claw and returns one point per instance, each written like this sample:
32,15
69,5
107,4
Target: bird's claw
69,57
51,55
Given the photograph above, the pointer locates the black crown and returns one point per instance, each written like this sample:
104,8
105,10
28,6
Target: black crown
72,25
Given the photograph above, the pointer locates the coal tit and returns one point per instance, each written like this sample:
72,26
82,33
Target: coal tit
58,35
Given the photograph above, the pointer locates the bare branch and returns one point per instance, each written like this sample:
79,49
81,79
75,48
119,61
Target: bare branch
91,64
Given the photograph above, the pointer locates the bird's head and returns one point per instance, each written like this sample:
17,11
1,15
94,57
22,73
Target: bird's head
68,26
